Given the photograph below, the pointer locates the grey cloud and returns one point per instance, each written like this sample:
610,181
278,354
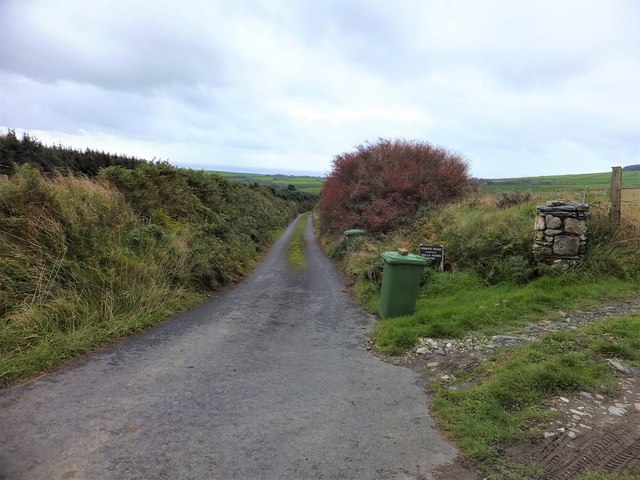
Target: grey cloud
513,86
403,41
377,35
138,55
70,107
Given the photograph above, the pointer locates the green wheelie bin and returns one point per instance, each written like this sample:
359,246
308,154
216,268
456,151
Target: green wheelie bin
400,283
352,234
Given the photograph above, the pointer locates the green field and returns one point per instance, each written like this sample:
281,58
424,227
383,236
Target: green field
553,183
302,183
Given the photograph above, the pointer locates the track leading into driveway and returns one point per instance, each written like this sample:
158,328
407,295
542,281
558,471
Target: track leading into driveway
269,380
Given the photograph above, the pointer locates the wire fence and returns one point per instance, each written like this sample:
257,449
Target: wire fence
630,196
600,198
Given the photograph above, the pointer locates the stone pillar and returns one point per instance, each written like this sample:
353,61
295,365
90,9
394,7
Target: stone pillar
560,232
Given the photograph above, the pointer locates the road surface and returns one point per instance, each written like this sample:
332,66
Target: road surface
269,380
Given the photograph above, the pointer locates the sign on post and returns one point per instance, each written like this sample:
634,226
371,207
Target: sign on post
435,253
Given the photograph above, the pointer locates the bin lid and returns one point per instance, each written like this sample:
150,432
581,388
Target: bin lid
355,231
409,259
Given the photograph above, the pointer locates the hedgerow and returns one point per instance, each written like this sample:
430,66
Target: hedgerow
84,261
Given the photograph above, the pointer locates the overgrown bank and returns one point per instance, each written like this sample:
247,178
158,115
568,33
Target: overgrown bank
491,276
492,286
85,261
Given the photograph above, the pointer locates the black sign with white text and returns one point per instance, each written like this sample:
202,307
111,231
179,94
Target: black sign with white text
435,253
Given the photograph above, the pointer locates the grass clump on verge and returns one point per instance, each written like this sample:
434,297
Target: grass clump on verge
507,401
297,243
83,262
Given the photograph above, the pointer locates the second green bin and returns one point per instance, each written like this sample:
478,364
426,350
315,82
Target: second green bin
353,233
400,283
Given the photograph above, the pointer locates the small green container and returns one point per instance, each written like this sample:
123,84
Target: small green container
353,234
400,283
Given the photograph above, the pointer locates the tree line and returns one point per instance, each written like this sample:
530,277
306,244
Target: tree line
15,151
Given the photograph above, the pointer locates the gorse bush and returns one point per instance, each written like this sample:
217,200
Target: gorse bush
84,261
307,201
236,220
381,186
512,199
223,223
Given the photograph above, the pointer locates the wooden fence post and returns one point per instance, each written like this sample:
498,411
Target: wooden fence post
616,195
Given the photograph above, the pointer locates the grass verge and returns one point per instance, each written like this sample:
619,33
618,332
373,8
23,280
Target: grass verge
454,304
297,243
51,346
506,404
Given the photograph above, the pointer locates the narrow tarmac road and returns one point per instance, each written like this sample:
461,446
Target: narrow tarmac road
269,380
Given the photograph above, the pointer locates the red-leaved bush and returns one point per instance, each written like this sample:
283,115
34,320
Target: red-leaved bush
382,185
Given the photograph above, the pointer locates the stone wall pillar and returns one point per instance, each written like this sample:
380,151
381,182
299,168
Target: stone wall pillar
560,232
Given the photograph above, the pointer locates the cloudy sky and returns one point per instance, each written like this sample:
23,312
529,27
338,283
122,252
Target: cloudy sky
517,87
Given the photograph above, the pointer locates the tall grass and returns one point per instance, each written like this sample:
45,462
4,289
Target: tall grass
477,234
613,250
493,237
84,262
493,280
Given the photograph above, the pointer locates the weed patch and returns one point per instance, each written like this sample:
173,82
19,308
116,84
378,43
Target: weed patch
297,243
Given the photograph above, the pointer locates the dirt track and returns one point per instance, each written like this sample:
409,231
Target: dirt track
269,380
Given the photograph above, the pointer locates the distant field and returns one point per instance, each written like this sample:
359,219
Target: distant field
559,182
579,182
302,183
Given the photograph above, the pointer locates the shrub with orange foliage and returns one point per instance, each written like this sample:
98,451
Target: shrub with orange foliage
382,185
